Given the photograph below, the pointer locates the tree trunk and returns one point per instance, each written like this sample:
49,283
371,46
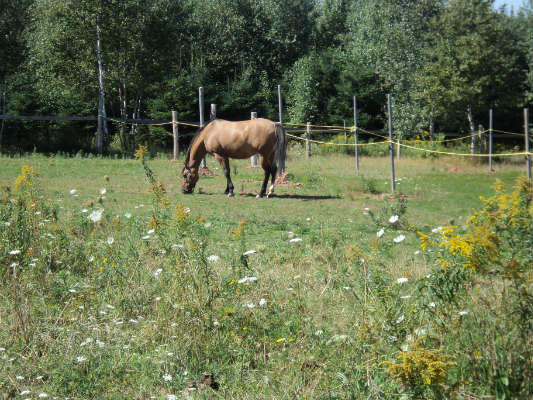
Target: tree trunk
3,112
101,100
431,129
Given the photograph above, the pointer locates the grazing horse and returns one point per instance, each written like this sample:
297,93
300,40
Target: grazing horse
242,139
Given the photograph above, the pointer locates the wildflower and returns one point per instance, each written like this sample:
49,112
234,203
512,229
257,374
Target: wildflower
99,343
110,240
250,305
216,323
438,229
280,340
25,392
91,258
19,378
14,252
262,302
43,395
73,191
244,328
295,240
127,215
400,319
157,272
402,280
247,279
86,342
167,378
146,237
417,252
247,253
213,258
96,215
171,397
399,239
150,231
319,332
405,297
84,211
103,191
461,313
380,233
393,219
432,304
157,298
81,359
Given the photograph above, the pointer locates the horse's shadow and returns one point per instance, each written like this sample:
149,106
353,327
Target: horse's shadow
295,196
274,195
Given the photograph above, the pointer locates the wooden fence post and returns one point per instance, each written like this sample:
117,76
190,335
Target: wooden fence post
355,135
175,134
254,158
280,108
203,164
344,129
526,131
491,126
3,113
391,147
307,140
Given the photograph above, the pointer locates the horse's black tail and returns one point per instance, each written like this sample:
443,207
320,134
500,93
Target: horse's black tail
281,148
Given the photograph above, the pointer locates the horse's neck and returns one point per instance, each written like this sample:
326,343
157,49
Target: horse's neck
197,151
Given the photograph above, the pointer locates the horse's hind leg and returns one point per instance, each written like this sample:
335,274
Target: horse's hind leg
265,182
273,171
224,163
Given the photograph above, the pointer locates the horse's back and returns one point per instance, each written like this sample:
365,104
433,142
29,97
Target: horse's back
241,139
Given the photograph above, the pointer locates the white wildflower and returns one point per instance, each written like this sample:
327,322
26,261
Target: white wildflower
417,252
99,343
213,258
96,215
146,237
262,302
402,280
157,272
84,210
19,378
399,239
14,252
216,323
91,258
103,191
319,332
73,191
127,215
86,342
393,219
438,229
247,279
432,304
250,305
150,231
295,240
81,359
167,378
400,319
405,297
25,392
380,233
110,240
463,313
171,397
247,253
43,395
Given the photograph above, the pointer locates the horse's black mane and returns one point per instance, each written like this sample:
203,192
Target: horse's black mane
193,140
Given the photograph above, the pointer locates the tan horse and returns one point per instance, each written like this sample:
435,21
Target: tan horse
242,139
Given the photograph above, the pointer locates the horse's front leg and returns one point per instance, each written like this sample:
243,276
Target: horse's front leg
224,163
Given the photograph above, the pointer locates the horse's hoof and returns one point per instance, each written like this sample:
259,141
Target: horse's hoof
230,194
258,197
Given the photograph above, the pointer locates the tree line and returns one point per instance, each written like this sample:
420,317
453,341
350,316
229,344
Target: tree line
445,63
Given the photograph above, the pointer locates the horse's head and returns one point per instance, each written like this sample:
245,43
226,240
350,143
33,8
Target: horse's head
190,177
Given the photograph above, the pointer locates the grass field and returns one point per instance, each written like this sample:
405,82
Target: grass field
295,296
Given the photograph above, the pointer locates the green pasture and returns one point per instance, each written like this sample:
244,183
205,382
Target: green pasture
165,286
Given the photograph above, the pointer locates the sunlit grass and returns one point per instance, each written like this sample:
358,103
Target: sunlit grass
296,296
